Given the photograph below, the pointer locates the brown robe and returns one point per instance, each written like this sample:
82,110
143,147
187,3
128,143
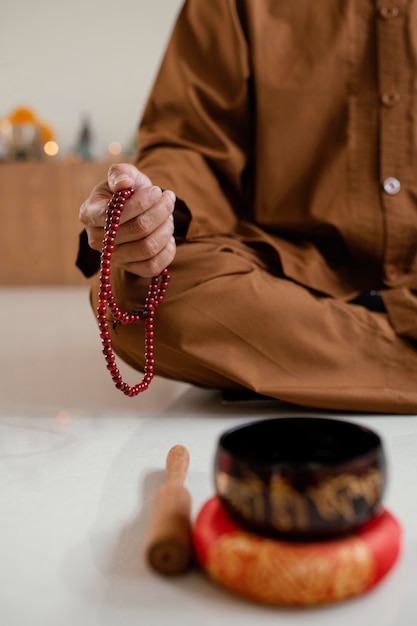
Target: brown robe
289,132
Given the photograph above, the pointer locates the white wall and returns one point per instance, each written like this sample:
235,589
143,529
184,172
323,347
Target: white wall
94,58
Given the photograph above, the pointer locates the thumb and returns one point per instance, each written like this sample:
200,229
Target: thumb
124,175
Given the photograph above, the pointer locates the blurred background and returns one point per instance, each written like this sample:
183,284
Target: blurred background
74,81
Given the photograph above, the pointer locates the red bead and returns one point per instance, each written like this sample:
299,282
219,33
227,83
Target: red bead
156,292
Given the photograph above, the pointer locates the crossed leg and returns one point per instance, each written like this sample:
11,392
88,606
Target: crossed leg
227,323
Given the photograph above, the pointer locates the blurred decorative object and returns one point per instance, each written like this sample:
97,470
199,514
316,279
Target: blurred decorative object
24,136
83,147
114,148
51,148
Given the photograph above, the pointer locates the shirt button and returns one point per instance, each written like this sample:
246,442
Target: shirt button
391,186
391,98
389,13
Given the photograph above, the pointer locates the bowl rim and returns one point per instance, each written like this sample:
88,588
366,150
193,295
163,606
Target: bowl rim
376,448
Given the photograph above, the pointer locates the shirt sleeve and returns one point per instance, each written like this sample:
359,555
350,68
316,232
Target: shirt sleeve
88,260
195,136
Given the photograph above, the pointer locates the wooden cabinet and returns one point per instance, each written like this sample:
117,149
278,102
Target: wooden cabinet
39,204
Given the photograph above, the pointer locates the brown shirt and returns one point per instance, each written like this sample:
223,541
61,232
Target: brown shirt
294,124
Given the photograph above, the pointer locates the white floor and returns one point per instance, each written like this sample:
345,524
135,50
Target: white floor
79,463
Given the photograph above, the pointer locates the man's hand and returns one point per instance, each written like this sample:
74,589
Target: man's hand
144,243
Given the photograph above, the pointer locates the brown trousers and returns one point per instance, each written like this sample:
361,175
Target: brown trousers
227,323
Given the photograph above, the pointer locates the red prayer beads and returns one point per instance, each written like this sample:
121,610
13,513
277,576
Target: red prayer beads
106,300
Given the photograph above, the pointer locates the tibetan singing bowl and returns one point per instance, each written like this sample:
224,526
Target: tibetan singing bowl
300,478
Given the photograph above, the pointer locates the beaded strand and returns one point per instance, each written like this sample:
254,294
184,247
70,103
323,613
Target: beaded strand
106,300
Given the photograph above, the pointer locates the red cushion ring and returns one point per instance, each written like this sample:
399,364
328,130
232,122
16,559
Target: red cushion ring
293,573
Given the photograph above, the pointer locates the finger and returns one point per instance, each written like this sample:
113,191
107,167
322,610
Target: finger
93,210
95,237
124,175
142,216
139,219
155,265
136,256
141,201
145,249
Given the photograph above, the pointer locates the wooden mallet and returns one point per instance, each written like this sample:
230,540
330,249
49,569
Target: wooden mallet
168,546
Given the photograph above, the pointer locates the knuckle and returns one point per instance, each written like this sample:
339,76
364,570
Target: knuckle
168,203
172,245
94,241
171,227
82,215
92,211
154,267
151,247
141,225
